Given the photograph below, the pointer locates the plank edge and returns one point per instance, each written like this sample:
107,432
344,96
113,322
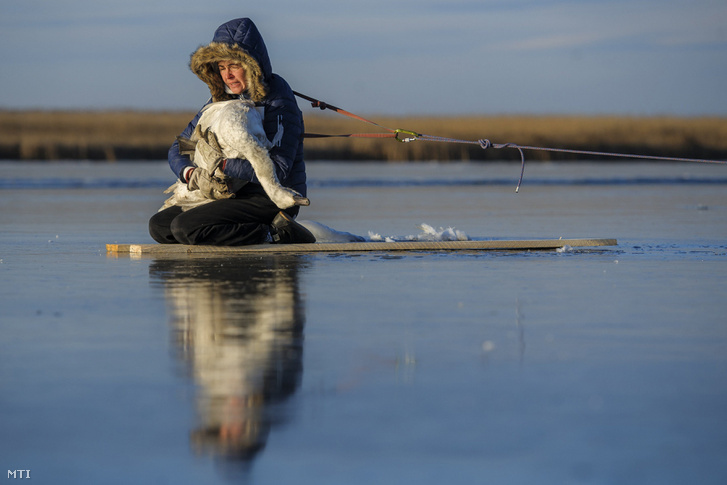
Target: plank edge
488,245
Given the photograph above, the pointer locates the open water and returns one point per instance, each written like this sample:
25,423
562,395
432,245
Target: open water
601,366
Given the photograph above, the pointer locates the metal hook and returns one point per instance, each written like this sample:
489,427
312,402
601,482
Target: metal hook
414,134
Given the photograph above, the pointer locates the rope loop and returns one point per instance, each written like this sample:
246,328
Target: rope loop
485,144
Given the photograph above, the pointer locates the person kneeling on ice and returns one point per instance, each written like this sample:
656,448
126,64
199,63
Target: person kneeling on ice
235,65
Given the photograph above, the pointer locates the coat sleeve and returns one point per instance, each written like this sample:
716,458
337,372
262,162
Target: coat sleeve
177,161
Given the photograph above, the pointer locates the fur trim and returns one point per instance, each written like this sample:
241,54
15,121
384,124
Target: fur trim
203,63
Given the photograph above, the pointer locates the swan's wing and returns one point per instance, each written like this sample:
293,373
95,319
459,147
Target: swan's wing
186,146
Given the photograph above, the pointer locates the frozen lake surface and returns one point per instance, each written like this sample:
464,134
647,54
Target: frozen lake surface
604,365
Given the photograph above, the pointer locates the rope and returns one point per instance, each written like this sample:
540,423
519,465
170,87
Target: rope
322,105
483,143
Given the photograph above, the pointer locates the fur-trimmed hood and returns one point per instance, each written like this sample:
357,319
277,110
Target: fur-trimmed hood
237,40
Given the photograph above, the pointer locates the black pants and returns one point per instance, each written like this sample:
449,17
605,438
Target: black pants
227,222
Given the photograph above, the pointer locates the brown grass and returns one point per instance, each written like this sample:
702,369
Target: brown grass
660,136
58,135
54,135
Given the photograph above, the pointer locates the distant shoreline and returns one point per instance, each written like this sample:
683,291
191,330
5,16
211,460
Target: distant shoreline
136,135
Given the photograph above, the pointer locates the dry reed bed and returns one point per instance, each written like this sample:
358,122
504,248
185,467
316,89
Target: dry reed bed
661,136
54,135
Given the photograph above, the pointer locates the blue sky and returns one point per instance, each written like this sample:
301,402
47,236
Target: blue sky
388,57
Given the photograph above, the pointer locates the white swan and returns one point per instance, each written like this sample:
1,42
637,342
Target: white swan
236,127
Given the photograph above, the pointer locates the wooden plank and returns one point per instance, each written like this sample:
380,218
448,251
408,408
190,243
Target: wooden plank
490,245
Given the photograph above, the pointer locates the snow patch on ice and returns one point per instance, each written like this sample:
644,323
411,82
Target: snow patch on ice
376,237
428,233
325,234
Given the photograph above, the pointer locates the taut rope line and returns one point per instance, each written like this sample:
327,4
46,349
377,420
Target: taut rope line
483,143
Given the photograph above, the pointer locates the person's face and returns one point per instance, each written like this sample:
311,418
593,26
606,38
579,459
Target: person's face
233,75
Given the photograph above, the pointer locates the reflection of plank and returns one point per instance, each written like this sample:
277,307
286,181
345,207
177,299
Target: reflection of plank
362,246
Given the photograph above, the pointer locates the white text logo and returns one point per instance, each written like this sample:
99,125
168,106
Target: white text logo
18,473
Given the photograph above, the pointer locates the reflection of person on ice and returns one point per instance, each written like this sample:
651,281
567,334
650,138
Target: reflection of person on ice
238,326
235,65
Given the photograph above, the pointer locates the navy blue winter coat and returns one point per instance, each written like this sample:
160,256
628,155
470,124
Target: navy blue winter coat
241,41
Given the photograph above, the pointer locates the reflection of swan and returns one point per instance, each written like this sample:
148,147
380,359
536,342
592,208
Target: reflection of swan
238,324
